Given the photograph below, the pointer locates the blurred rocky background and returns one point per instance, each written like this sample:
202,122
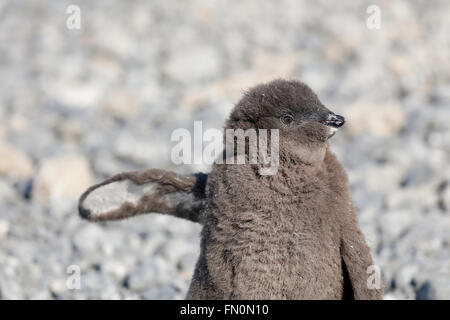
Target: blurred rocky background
77,106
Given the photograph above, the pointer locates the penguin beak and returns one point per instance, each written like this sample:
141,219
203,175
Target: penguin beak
334,120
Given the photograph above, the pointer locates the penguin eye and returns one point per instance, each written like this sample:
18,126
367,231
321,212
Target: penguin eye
287,119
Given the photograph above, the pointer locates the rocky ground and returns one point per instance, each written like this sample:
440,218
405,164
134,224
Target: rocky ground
77,106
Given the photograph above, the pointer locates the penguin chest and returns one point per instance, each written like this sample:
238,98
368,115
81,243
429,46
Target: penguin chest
285,260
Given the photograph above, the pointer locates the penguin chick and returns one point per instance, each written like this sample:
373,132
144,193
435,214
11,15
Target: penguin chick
291,235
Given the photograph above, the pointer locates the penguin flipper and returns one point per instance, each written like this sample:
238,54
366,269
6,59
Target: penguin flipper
363,276
133,193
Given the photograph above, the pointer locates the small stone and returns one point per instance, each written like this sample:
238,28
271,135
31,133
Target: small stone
19,123
382,120
186,264
406,277
4,228
198,63
176,249
89,238
70,131
14,162
383,177
58,288
390,296
121,103
401,64
113,37
142,151
7,193
65,176
150,274
75,95
418,174
394,223
166,293
406,198
115,267
437,288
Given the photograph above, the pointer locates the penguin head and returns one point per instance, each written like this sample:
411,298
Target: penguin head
290,106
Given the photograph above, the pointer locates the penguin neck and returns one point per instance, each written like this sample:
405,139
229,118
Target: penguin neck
310,155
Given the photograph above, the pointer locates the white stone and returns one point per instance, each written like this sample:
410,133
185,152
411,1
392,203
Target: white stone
4,228
14,162
61,177
198,63
381,120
